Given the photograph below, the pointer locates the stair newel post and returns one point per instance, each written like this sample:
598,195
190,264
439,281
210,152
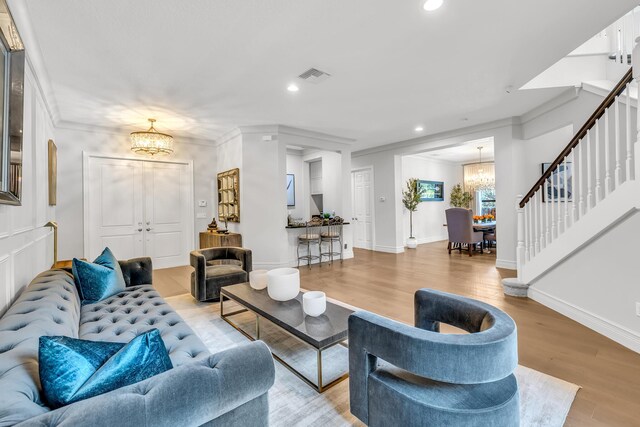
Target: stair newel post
520,247
514,286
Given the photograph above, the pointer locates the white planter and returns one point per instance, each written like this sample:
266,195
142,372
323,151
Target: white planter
412,243
314,303
283,284
258,279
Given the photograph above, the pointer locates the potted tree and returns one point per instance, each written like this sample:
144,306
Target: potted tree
411,199
459,198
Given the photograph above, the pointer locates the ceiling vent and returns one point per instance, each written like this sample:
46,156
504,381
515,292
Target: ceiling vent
313,75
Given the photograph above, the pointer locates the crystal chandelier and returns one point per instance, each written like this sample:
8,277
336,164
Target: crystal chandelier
151,141
480,176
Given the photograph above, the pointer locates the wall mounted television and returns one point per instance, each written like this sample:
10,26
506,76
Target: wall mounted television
433,190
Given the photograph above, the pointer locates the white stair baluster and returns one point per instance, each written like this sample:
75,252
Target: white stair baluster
607,168
580,180
543,243
529,241
536,223
598,164
588,175
629,164
557,199
565,186
548,227
616,123
551,195
574,201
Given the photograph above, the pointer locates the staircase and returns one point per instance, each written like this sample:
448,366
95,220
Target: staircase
589,196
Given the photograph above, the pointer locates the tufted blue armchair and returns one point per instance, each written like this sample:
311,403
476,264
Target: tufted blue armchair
415,376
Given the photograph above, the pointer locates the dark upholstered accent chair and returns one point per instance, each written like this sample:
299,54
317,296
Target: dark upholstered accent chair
218,267
414,376
460,228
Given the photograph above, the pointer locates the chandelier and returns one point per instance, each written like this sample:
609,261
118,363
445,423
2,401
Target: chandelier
480,176
151,141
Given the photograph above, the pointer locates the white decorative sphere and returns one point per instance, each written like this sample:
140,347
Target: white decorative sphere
314,303
283,283
258,279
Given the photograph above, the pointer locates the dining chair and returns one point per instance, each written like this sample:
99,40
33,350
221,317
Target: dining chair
461,232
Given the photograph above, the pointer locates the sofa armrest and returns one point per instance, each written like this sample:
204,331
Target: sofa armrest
137,271
244,256
190,395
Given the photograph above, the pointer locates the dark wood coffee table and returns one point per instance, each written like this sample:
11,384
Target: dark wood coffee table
328,330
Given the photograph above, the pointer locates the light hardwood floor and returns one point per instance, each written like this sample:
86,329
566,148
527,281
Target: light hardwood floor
608,373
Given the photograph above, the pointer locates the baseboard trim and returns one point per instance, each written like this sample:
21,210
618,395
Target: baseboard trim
506,264
389,249
431,239
347,254
611,330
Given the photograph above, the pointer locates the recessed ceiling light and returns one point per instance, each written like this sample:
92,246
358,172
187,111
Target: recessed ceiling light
419,129
293,87
431,5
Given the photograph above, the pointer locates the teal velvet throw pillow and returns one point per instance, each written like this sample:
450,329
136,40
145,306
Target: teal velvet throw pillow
100,279
72,370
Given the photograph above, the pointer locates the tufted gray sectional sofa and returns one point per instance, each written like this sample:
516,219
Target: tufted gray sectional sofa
224,389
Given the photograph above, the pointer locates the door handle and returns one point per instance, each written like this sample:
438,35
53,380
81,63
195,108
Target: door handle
149,229
139,229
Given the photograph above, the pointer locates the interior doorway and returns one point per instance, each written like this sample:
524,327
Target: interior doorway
363,213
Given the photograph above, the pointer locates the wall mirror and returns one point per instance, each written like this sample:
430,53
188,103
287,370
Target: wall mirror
12,62
229,195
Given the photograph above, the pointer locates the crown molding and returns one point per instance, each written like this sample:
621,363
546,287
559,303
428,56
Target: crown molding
435,137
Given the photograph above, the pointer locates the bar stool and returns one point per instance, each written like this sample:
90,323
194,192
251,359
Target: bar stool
331,236
310,238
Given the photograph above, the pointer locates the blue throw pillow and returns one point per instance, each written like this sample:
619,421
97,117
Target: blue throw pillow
73,369
100,279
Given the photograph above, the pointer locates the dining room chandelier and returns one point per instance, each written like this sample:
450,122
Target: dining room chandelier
151,141
479,176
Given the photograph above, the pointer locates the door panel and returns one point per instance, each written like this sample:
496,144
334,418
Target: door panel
362,208
166,213
115,207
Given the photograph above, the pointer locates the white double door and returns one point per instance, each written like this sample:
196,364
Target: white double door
138,208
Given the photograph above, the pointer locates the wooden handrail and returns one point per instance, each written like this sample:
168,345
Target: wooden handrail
608,101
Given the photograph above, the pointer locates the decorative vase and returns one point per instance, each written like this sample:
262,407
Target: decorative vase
412,243
283,284
258,279
314,303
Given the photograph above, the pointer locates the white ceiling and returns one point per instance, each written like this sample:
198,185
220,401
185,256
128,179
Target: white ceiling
467,153
202,67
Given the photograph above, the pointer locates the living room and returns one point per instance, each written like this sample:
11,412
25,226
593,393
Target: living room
202,216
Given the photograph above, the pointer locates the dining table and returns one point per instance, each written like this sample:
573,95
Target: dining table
484,226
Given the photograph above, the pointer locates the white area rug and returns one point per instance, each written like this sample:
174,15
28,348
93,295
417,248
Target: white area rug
544,400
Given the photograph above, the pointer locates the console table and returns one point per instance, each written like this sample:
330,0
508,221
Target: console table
217,240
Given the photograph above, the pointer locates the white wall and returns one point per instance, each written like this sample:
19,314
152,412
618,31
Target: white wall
598,285
26,247
428,220
71,144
